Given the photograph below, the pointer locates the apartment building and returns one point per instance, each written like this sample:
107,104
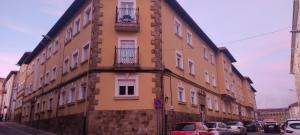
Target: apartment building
294,112
9,96
128,67
1,95
295,51
275,114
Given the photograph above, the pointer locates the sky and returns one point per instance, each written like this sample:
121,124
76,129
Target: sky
255,31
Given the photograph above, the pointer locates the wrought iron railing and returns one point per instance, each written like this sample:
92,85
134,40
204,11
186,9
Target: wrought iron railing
126,56
127,15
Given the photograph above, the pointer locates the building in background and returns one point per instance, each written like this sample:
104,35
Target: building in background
295,48
9,96
277,114
1,95
294,112
141,67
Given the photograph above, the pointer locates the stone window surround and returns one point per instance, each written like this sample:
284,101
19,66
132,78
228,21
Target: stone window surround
195,96
189,41
124,77
86,20
75,59
179,31
191,69
76,29
85,55
181,59
180,87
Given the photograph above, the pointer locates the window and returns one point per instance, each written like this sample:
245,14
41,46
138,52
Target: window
53,73
177,27
223,107
181,94
76,27
55,46
74,61
205,53
62,98
41,81
72,95
127,51
213,80
213,59
49,51
193,97
85,53
43,59
179,60
68,35
206,76
50,103
209,102
37,108
43,106
191,67
66,65
47,78
216,104
126,86
189,38
87,17
82,91
227,85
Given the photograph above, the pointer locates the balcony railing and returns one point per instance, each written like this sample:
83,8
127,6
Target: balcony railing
127,19
126,56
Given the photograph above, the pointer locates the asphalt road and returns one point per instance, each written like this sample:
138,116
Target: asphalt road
9,128
262,133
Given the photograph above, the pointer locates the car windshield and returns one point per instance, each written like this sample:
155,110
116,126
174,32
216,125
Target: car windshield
211,125
295,126
231,123
185,127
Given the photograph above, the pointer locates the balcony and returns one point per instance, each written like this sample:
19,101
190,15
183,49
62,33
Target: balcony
228,96
126,57
127,19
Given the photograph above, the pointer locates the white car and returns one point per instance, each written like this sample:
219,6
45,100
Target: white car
237,128
292,128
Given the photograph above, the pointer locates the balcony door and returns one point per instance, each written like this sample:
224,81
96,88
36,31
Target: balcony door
127,52
127,9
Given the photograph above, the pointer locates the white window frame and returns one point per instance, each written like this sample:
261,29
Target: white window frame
76,29
189,39
72,96
213,80
133,1
83,53
86,20
205,52
213,58
191,68
120,39
66,66
49,51
193,99
74,61
178,33
53,73
209,101
56,46
136,86
62,98
82,92
180,88
216,104
68,34
181,60
41,81
206,76
47,78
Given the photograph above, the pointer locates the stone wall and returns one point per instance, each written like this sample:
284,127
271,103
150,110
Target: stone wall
64,125
123,122
177,117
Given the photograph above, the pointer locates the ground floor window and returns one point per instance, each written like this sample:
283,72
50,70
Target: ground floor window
126,86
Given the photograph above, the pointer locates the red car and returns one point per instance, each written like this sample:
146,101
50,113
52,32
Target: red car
190,128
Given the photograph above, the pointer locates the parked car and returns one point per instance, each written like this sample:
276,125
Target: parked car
271,127
218,128
251,126
190,128
237,128
292,128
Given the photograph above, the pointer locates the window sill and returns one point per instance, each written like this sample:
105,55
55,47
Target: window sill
179,68
71,104
192,74
87,23
80,100
74,67
178,35
84,61
64,73
194,105
181,102
68,41
75,34
126,97
210,109
61,106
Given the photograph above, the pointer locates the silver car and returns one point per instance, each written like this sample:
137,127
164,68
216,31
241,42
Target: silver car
218,128
237,128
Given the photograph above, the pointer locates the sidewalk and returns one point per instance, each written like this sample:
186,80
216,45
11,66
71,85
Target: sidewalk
12,128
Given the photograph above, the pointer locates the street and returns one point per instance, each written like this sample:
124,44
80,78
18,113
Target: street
262,133
10,128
